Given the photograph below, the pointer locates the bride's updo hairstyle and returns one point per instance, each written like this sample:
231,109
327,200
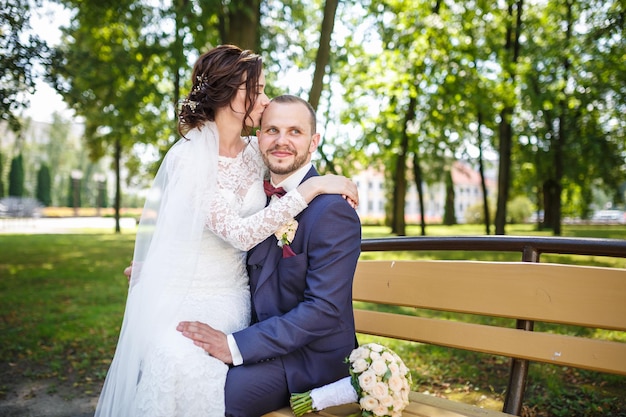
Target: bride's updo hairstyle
217,76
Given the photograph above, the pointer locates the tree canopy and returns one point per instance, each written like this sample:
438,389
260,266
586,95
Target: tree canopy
534,90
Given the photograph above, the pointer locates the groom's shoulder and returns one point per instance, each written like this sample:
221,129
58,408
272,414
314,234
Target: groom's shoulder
331,205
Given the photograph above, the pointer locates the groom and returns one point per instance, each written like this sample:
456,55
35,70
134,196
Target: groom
302,321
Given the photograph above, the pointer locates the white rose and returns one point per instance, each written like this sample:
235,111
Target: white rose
380,411
375,347
399,404
367,380
359,365
406,385
368,403
389,357
359,353
386,401
396,383
379,367
374,355
394,368
286,232
403,369
405,395
380,391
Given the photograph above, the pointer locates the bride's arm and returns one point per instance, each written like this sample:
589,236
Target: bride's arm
246,232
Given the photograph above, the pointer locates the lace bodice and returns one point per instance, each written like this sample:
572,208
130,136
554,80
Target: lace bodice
238,216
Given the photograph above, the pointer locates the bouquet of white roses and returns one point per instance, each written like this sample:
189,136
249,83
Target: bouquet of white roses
379,381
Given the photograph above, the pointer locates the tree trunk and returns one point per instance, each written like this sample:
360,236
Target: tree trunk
240,24
323,52
561,139
118,188
481,170
550,195
511,52
449,215
504,169
179,50
417,173
399,195
399,224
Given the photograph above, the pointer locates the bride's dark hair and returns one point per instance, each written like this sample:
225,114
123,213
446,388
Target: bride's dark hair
216,78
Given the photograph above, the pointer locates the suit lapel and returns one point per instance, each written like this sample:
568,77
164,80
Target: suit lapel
268,254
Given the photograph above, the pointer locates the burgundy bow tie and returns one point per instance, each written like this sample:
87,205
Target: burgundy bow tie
270,190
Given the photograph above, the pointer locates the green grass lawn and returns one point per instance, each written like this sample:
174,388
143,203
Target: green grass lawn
62,300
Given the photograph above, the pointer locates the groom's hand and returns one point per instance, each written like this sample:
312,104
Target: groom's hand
212,341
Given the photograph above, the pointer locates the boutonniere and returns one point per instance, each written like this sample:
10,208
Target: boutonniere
285,236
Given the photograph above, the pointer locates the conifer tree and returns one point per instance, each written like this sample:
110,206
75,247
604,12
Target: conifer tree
16,177
44,185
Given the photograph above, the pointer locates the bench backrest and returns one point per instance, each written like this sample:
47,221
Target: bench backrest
578,295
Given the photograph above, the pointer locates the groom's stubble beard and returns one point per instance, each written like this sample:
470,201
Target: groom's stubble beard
298,162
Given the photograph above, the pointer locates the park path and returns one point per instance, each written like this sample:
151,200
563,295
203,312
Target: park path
45,225
46,398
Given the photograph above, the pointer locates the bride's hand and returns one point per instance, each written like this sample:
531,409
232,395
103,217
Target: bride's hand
330,184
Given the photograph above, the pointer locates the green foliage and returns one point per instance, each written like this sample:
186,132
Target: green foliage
43,185
20,52
476,214
16,177
519,209
457,62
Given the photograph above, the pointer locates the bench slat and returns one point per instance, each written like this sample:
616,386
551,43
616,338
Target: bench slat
593,354
429,406
421,405
522,290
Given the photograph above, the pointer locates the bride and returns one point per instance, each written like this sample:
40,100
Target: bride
204,211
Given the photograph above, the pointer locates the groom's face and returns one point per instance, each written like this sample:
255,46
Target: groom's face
286,138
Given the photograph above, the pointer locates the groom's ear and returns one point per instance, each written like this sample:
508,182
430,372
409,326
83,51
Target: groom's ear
315,141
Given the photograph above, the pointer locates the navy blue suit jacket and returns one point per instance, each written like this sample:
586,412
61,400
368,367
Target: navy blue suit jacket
302,305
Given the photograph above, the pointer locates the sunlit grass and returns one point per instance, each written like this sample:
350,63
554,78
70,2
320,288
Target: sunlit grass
61,303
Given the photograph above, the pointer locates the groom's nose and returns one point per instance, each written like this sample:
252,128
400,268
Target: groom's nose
281,138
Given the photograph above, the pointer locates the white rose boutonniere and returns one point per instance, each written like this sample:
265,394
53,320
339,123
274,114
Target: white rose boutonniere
285,236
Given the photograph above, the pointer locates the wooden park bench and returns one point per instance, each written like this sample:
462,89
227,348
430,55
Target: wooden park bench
527,291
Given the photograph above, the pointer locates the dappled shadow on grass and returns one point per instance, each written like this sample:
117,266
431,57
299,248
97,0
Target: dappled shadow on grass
61,304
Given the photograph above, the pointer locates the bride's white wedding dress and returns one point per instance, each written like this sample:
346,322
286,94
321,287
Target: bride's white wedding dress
202,280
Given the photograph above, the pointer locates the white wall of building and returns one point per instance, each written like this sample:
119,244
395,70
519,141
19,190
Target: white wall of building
467,188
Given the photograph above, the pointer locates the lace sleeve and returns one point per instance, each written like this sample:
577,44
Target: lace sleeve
246,232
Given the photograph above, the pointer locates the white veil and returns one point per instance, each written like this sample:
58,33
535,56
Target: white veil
170,228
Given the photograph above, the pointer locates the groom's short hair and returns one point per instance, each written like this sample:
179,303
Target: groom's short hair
288,98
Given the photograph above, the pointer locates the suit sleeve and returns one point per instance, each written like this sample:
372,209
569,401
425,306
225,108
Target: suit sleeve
325,308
